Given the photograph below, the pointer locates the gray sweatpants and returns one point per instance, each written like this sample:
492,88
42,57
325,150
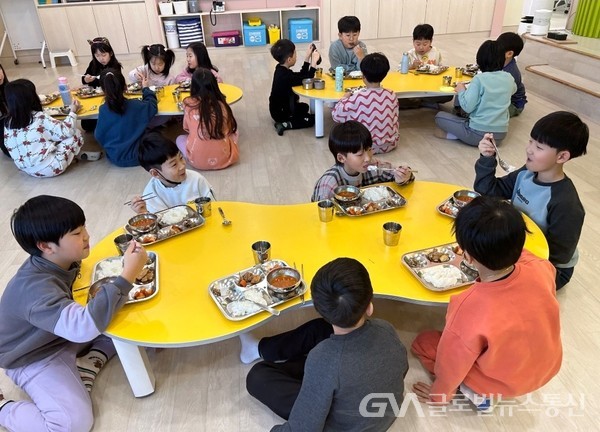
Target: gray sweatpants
459,127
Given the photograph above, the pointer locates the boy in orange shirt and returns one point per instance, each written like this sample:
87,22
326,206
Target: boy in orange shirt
502,335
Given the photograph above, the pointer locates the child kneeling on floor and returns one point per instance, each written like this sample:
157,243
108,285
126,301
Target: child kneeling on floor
318,375
284,105
502,335
43,330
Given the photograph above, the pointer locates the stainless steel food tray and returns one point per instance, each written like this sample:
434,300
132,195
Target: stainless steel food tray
57,111
447,208
166,231
419,261
222,290
151,264
348,208
439,70
88,92
47,99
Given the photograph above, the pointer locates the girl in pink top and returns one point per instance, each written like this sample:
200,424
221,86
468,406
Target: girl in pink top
157,66
212,140
196,55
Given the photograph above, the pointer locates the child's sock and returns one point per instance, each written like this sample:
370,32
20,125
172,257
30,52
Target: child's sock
280,128
451,136
249,351
89,365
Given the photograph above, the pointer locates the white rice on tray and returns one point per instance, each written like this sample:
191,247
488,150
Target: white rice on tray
108,268
442,276
376,193
174,215
241,307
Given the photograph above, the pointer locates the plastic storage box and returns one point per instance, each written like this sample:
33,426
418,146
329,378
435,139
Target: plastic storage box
255,35
227,38
300,30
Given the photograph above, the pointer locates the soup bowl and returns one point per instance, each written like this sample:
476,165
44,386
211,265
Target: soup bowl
143,223
463,197
282,282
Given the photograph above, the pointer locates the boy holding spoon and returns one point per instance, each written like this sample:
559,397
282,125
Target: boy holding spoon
351,145
540,188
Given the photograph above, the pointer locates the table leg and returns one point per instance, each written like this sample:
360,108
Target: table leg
136,366
319,104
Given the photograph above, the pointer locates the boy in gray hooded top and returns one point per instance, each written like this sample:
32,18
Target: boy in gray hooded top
43,330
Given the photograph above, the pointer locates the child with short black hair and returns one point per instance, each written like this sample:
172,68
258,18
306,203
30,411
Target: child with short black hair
40,145
351,145
540,188
317,376
485,100
375,107
157,66
123,121
171,183
51,346
196,55
284,104
423,52
348,51
502,335
512,45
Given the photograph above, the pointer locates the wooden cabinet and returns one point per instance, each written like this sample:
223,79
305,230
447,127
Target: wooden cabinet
397,18
126,24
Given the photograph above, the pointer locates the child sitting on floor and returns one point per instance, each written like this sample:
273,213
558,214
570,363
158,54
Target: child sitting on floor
512,45
317,376
540,188
374,107
351,145
284,104
122,121
196,55
39,144
485,100
157,66
43,330
348,51
423,52
212,140
171,183
502,335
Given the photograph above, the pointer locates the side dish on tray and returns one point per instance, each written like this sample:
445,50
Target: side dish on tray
47,99
452,205
440,268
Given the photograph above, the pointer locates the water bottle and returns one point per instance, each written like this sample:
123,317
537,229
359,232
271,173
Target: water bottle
65,91
339,78
405,64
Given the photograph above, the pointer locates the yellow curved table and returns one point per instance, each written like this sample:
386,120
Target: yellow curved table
410,85
183,314
167,102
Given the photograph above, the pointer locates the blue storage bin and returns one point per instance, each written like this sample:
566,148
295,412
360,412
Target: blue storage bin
255,35
300,30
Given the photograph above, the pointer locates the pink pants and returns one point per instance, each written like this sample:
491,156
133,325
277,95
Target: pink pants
60,400
425,348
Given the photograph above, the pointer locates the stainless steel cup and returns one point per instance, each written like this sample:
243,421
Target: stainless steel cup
447,80
391,233
458,72
261,251
203,206
325,210
122,242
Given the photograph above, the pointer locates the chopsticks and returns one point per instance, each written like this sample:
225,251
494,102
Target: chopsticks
145,197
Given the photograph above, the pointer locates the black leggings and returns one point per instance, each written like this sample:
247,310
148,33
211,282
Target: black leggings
277,380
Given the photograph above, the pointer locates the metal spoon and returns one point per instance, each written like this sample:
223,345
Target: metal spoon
225,220
503,164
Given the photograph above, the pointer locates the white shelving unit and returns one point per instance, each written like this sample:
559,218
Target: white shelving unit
234,19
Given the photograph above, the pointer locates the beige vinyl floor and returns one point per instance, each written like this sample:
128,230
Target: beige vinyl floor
203,388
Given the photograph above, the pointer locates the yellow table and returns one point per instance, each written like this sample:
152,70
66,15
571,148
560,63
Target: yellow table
408,85
167,102
183,314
